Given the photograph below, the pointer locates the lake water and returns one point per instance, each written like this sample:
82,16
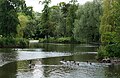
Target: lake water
43,61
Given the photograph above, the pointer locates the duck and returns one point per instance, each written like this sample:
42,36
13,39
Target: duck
31,65
69,62
89,63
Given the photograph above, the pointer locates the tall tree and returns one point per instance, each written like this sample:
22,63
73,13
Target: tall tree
23,20
30,29
62,22
54,20
45,18
87,22
71,17
8,18
110,29
106,21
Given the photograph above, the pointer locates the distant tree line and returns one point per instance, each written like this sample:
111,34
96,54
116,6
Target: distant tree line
77,22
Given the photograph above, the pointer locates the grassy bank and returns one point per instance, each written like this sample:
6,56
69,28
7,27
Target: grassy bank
58,40
13,43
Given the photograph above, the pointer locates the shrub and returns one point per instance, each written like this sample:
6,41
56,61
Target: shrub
21,42
113,50
13,42
102,52
57,40
42,40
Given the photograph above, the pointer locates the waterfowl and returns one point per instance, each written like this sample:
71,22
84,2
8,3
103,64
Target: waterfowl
90,63
31,65
71,63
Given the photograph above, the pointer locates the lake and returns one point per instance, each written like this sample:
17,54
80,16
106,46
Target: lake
44,61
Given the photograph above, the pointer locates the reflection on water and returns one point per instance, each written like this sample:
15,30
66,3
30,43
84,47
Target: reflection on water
66,47
44,62
27,54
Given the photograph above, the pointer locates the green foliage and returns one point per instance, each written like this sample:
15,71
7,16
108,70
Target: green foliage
30,29
87,22
23,19
64,40
50,40
102,52
55,19
71,16
8,19
14,16
108,38
110,28
45,18
62,22
13,42
67,20
42,40
110,50
21,42
109,20
57,40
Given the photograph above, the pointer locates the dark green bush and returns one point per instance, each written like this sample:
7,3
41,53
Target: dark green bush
64,40
102,52
21,42
42,40
56,40
14,42
113,50
110,50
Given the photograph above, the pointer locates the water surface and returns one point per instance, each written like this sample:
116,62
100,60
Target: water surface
43,61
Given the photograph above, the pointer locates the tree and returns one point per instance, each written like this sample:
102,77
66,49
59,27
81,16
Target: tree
62,21
8,19
87,22
71,17
23,19
45,18
106,21
30,29
110,28
54,20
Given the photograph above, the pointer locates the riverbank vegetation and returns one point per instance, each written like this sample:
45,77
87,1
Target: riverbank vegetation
14,15
110,29
13,43
93,22
57,40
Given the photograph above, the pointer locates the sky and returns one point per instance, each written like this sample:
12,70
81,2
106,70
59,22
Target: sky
38,7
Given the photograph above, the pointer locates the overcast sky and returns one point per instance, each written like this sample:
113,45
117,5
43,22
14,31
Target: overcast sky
38,7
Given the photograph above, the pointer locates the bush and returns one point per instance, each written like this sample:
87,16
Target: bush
102,52
56,40
13,42
52,40
110,50
113,50
64,40
21,42
6,41
42,40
